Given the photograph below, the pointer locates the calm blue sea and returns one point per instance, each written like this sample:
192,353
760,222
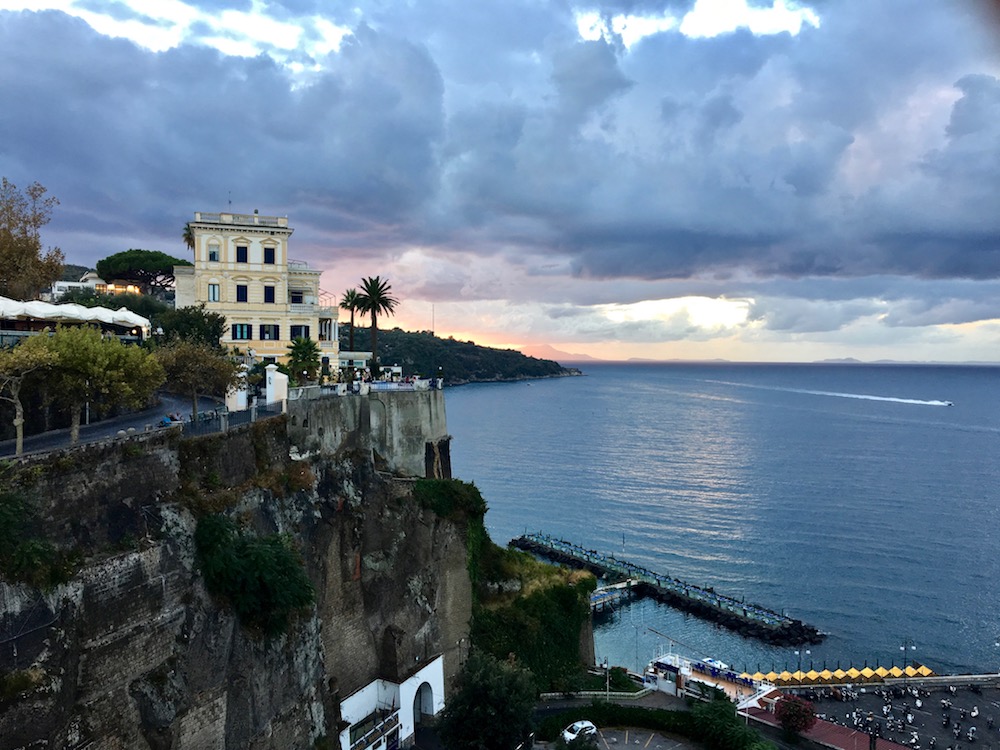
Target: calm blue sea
850,496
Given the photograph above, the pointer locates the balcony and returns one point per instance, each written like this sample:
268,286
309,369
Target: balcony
382,727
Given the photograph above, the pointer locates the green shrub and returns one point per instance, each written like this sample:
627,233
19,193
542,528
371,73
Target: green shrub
262,577
19,681
450,498
542,628
24,556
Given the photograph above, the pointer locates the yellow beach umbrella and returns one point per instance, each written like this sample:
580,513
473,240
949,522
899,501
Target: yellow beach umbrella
826,675
812,675
772,676
867,673
839,673
881,671
924,671
853,673
785,676
911,671
896,672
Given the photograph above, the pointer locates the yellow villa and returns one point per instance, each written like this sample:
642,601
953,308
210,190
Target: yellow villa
242,270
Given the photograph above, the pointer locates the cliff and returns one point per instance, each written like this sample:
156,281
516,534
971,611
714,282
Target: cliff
130,650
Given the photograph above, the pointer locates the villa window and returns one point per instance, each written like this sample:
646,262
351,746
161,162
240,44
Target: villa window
269,332
213,254
269,255
241,292
269,294
297,297
300,332
241,254
213,292
242,332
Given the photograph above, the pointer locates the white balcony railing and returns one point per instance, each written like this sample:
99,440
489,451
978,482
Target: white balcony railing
247,220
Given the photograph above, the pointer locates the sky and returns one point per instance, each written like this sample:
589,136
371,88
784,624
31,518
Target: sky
759,180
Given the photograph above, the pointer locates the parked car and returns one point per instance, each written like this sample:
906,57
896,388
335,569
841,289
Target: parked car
577,729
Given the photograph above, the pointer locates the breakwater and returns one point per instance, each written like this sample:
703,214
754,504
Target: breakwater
750,620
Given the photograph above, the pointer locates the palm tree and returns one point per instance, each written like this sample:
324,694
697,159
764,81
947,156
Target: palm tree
303,359
350,301
374,299
188,236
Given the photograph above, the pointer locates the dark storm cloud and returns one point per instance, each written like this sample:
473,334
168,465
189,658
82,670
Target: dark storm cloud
743,161
141,140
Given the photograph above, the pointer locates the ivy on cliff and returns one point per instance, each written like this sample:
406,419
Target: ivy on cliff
25,557
540,624
262,577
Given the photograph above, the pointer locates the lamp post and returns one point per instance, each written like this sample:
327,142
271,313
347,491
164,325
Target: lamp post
907,645
799,654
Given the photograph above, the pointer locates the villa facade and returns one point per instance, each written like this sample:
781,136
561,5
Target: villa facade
242,270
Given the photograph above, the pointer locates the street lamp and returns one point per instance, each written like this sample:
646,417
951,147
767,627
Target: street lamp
798,653
907,645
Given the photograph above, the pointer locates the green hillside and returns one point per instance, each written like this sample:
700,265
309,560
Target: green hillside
461,361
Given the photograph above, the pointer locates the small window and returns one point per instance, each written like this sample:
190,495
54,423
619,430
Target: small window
242,332
297,298
269,255
241,292
269,294
300,332
241,253
213,254
213,292
269,332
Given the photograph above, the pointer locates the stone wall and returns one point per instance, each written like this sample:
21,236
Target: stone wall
133,652
399,427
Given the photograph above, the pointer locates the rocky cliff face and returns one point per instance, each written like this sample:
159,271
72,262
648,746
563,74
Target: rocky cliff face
133,652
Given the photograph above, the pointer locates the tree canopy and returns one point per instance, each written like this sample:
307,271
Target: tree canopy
491,707
92,367
151,270
351,302
795,714
16,364
141,304
193,323
194,367
303,359
374,299
25,270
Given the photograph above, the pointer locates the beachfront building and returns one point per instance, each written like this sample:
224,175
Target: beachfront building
242,270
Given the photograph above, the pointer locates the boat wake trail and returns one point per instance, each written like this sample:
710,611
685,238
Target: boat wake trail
867,397
837,394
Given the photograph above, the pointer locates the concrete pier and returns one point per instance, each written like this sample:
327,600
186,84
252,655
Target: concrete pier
748,619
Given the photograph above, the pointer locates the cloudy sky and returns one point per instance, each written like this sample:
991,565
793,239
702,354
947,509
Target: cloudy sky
619,178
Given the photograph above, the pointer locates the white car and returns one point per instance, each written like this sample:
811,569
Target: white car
579,729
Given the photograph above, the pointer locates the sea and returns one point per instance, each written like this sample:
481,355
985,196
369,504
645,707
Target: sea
862,499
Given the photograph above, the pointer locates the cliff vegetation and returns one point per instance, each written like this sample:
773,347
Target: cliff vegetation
533,611
422,353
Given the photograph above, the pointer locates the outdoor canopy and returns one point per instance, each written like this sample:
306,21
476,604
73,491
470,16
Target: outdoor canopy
70,313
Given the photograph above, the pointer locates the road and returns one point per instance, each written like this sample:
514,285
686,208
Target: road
55,439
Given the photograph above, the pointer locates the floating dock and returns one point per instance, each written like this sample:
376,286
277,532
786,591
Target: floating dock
750,620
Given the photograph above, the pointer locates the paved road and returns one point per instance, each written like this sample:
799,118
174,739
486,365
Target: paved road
55,439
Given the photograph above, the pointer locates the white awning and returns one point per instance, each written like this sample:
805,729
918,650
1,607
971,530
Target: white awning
71,313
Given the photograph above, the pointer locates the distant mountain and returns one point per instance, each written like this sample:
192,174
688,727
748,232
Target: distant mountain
546,351
423,353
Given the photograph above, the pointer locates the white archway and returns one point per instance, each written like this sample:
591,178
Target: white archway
423,703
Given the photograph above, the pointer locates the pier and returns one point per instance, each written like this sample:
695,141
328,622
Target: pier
750,620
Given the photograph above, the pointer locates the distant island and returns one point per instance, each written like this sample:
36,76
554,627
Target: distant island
422,353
